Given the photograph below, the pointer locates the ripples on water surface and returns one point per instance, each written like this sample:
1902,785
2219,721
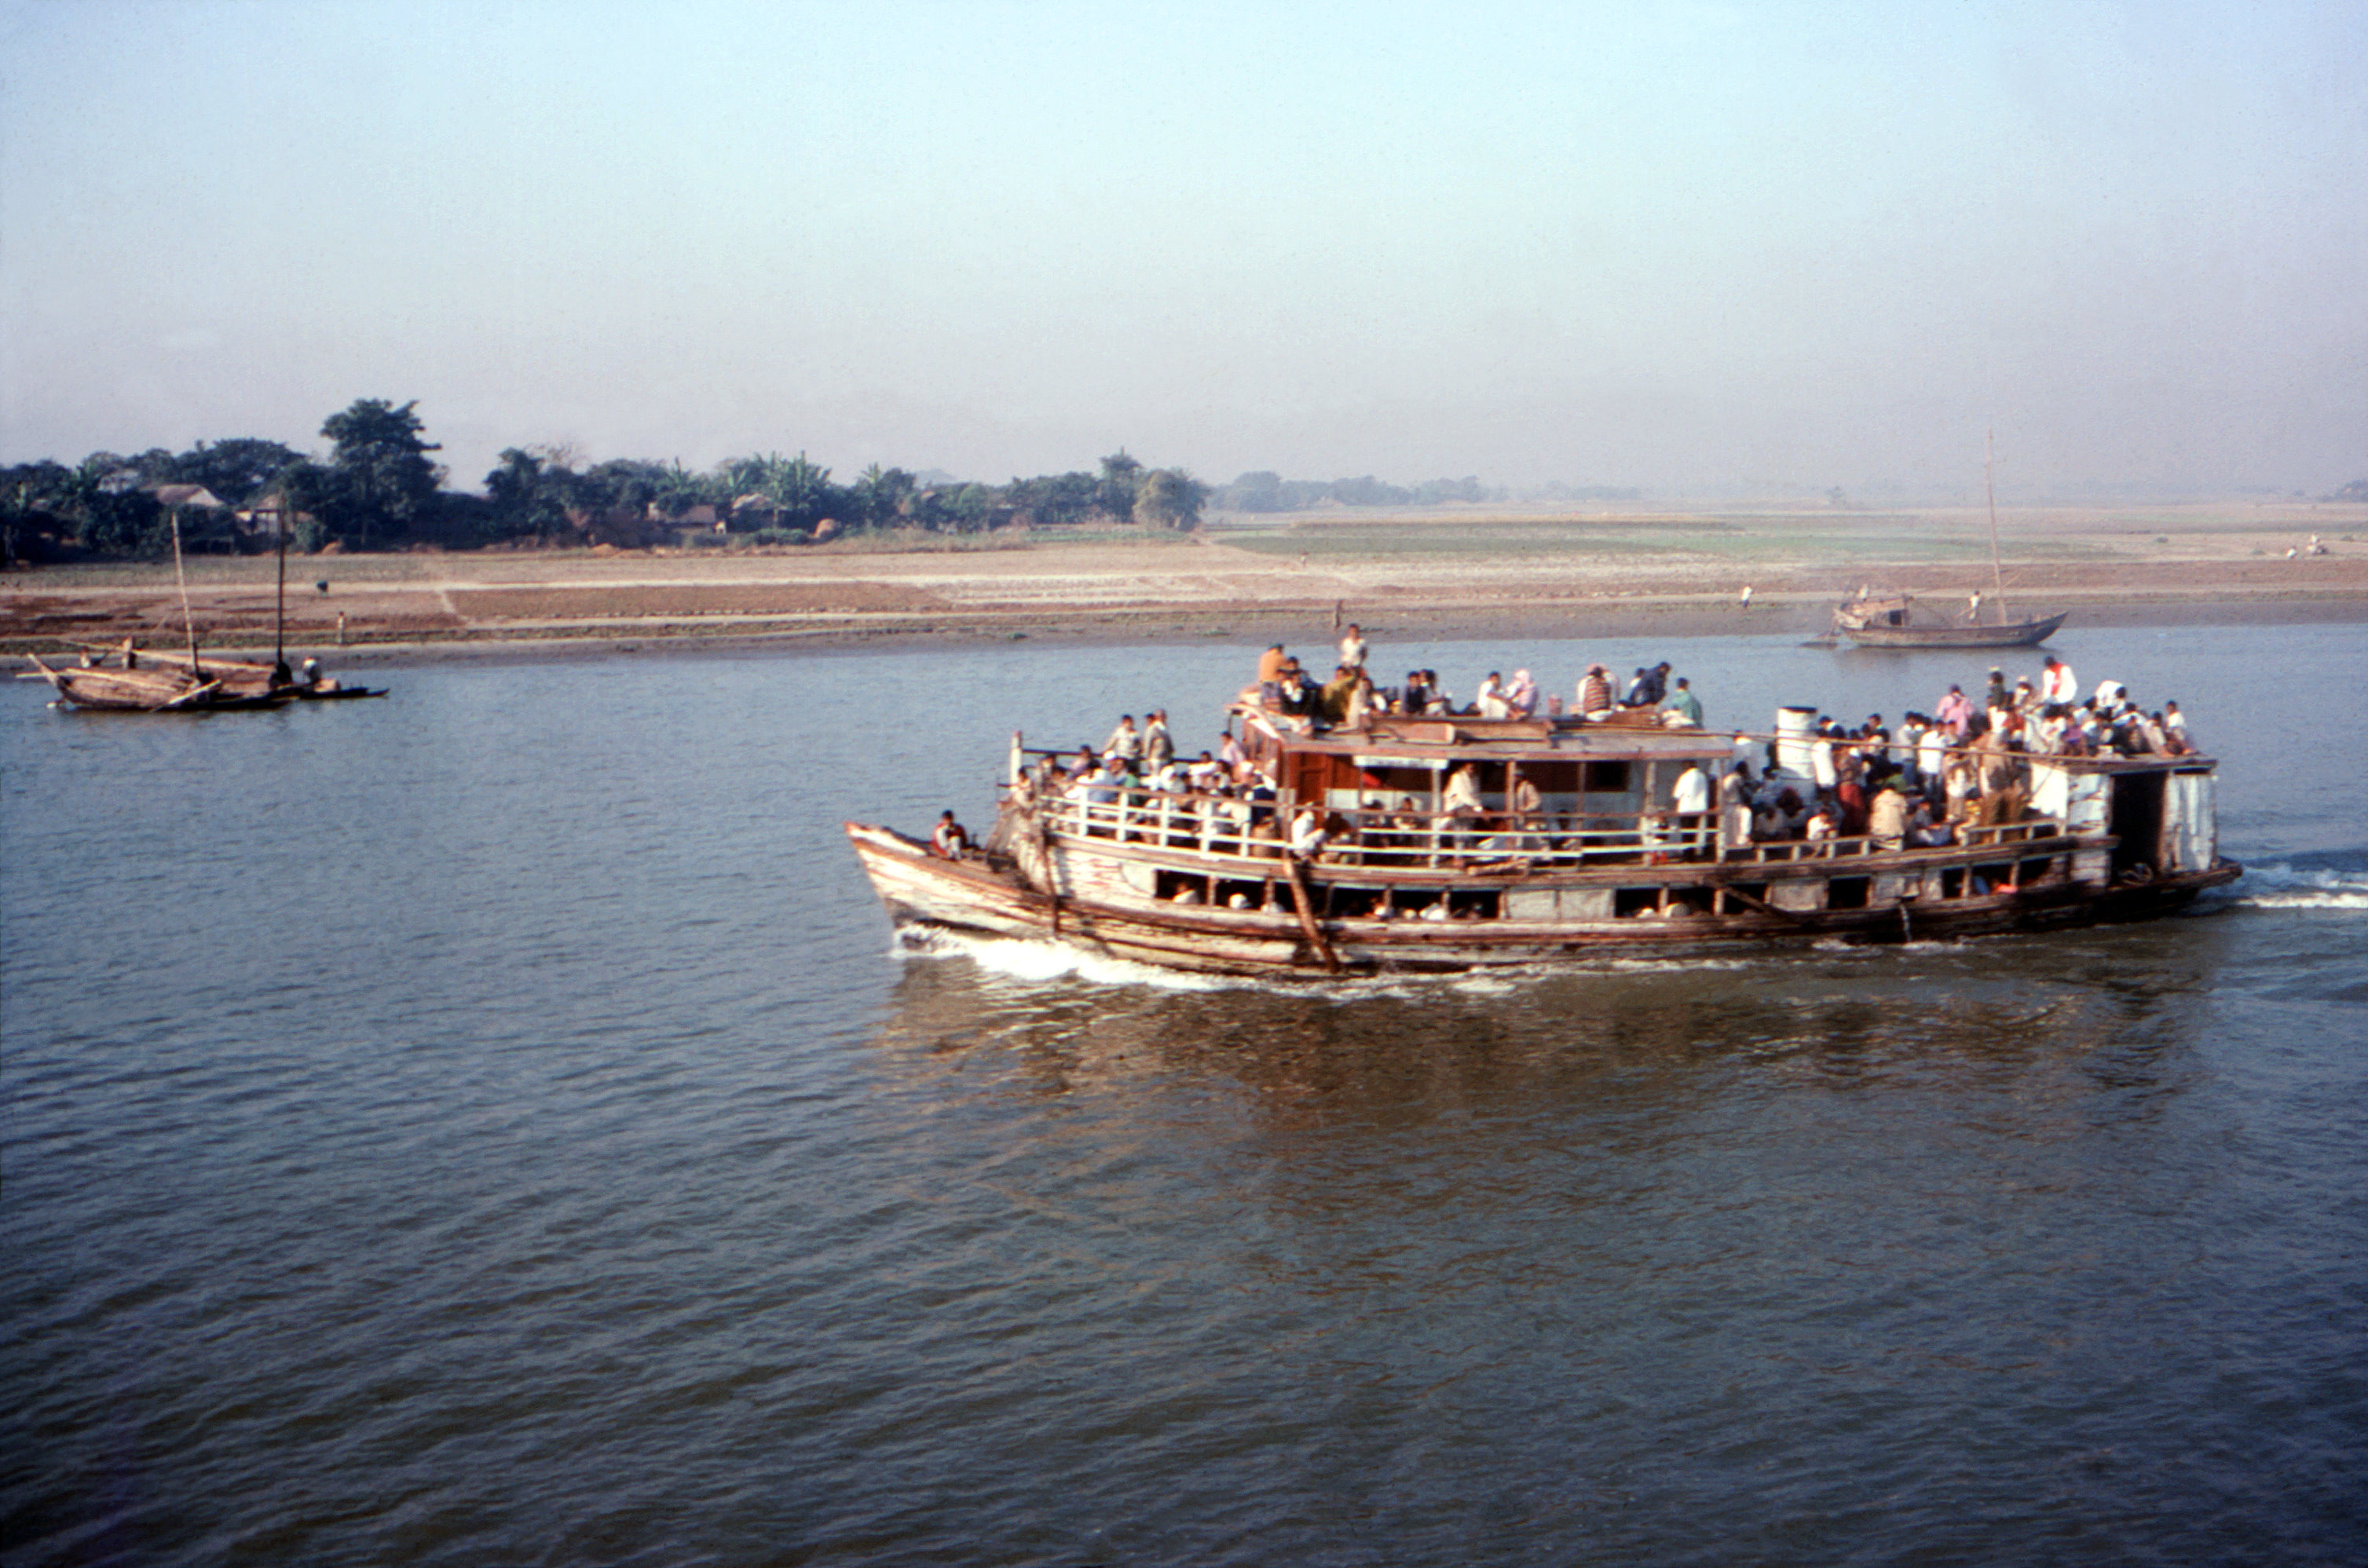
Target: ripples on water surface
493,1125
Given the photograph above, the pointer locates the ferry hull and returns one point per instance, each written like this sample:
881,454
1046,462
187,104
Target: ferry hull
990,897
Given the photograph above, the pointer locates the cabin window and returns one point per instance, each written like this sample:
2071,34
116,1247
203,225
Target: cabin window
1848,892
1691,901
1253,895
1952,881
1552,777
1179,887
1997,876
1607,778
1352,904
1756,891
2033,871
1626,901
1477,905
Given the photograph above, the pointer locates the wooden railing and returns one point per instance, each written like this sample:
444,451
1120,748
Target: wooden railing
1210,824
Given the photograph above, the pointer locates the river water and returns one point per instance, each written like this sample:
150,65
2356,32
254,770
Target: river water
495,1125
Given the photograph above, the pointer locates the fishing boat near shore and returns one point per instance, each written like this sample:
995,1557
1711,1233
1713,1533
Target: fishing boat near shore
1573,852
127,679
1899,621
190,682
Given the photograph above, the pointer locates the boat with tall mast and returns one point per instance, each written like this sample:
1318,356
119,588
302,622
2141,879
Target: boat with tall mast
1898,621
127,679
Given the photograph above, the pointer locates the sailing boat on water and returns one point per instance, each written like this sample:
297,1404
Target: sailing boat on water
1898,621
153,681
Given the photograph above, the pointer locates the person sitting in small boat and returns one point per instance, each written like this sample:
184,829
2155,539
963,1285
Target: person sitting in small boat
315,681
951,840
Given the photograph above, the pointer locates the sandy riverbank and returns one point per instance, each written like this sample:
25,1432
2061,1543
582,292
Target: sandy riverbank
1429,576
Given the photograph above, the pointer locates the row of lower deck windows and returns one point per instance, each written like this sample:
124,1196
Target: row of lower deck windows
1345,902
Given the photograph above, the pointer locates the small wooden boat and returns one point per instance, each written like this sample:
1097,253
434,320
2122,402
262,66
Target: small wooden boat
129,689
127,679
1901,622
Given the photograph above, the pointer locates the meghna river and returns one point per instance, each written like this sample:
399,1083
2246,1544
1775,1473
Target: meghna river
495,1125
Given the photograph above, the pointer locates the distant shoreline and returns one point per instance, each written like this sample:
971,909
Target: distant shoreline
1465,578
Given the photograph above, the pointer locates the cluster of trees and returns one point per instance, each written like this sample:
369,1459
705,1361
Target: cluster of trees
376,488
379,488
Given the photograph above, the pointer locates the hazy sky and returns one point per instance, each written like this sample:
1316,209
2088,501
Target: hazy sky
1688,247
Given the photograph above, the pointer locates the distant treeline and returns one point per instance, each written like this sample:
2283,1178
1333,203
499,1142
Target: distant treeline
1265,492
378,489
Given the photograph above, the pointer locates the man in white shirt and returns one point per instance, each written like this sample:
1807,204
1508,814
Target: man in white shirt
1689,797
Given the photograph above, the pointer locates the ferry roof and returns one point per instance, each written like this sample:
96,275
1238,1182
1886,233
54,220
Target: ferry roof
1442,741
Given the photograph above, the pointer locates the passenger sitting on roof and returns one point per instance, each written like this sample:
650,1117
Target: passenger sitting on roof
1271,664
1595,692
1649,686
1332,700
1490,703
1417,699
1522,695
1437,702
1683,708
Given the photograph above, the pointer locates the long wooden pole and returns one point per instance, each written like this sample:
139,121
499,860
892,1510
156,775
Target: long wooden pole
1307,922
1997,569
189,622
279,603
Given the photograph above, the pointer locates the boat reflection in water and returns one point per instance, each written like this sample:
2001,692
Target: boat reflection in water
2036,1018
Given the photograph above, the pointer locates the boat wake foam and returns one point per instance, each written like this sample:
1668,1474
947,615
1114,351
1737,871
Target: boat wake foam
2284,886
1039,962
1044,961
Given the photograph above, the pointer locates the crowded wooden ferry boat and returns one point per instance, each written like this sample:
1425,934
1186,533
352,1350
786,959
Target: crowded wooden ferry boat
1349,830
